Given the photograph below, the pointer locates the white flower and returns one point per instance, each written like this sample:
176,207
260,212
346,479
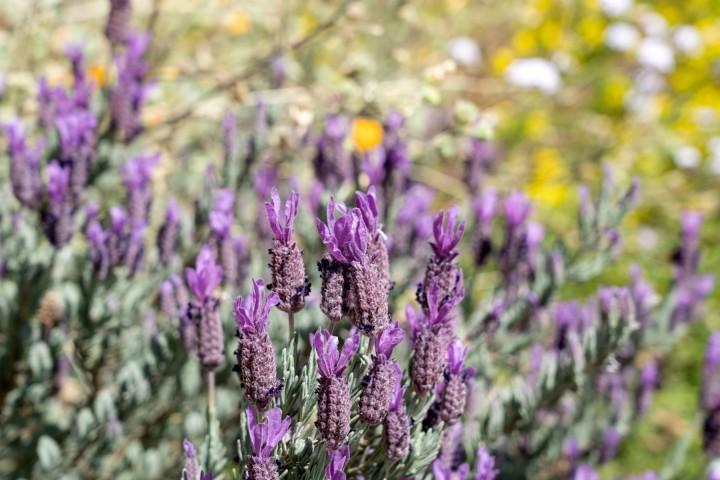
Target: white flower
713,146
687,39
464,50
616,8
653,23
621,36
655,53
534,73
687,157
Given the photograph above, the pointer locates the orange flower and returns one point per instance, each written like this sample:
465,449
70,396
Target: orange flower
98,74
367,133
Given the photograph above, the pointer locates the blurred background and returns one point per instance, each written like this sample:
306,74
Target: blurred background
560,87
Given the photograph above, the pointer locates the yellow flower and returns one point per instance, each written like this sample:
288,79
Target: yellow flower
548,184
98,74
551,34
502,58
615,90
238,23
366,133
524,42
592,30
536,124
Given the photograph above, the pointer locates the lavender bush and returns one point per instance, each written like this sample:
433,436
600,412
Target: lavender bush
393,339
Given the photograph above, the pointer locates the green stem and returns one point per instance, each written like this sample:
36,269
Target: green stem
291,325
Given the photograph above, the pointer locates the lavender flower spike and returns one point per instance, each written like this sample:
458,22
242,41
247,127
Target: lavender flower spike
191,471
264,437
350,283
396,427
485,465
377,244
710,396
168,234
57,217
454,395
255,356
203,280
380,381
431,337
24,165
117,28
338,460
346,238
286,263
585,472
444,472
333,391
441,268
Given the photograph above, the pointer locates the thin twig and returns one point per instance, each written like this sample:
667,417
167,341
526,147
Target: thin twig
255,65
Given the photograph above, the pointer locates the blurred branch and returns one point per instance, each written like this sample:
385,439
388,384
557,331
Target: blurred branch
257,64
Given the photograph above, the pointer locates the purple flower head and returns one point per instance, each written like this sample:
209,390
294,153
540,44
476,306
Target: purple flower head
172,214
416,203
691,222
265,436
206,275
456,356
650,374
373,164
346,237
485,206
24,164
710,396
571,450
338,459
76,130
388,339
443,472
336,127
282,223
138,170
118,219
394,121
485,465
534,235
58,183
131,89
251,312
74,52
610,443
331,361
517,209
585,472
191,469
367,204
439,313
264,181
221,216
447,232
